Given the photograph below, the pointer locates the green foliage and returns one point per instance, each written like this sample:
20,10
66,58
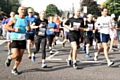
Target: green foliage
92,7
113,7
51,10
9,5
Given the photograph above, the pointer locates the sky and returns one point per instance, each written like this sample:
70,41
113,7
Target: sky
39,5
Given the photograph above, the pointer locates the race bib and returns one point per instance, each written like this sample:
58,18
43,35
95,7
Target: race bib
75,25
51,31
42,31
90,27
21,37
105,25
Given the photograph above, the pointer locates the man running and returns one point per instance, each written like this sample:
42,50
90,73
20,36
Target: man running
18,32
30,35
104,28
12,14
74,25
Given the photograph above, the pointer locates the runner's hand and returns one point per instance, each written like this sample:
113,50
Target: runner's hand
17,29
72,29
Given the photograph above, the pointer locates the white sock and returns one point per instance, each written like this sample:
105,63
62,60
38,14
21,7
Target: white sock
43,61
74,61
87,50
69,58
9,57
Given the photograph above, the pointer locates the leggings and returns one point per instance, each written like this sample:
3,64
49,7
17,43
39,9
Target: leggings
50,39
40,40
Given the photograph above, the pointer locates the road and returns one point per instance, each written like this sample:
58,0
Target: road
57,68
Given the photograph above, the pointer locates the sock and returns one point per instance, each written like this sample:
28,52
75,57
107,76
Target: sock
69,58
9,57
14,68
87,50
74,61
43,61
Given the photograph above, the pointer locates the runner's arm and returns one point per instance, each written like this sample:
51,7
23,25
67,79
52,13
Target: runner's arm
10,23
28,28
33,26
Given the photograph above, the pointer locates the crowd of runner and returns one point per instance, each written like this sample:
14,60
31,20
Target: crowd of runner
25,32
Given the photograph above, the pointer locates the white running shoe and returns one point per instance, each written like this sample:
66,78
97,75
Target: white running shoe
110,63
95,56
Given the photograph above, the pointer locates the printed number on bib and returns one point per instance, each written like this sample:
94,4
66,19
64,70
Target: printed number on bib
42,31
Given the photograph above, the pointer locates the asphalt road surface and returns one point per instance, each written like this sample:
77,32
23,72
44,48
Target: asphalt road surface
58,69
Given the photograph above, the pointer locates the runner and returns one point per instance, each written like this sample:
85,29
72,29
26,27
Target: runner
12,14
18,45
30,35
105,26
66,32
57,21
88,35
52,27
112,33
40,25
74,25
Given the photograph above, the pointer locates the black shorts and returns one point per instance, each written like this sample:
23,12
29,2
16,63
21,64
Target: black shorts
61,29
18,44
73,38
97,36
88,40
30,36
57,34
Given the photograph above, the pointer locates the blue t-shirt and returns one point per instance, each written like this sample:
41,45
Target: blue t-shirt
21,24
51,26
3,22
7,20
31,19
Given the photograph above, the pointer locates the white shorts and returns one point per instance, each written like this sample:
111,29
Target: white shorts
8,36
112,34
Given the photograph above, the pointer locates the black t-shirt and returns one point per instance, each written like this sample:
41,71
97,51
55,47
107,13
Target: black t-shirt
118,24
41,31
73,23
90,26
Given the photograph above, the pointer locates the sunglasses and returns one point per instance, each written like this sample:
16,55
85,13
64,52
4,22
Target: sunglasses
30,12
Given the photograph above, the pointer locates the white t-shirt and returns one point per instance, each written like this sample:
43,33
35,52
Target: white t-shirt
104,24
1,25
65,29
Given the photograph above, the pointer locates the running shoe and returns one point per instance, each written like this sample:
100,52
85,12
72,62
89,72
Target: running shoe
44,65
14,71
63,45
7,62
69,62
88,55
33,58
75,65
95,56
110,63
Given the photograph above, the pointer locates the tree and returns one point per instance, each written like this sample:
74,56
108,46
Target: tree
92,7
113,7
51,10
9,5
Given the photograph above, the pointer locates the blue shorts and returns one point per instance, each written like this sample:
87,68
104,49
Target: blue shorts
66,34
104,38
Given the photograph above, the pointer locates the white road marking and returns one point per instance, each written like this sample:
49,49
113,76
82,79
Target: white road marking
2,42
91,61
50,57
54,59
